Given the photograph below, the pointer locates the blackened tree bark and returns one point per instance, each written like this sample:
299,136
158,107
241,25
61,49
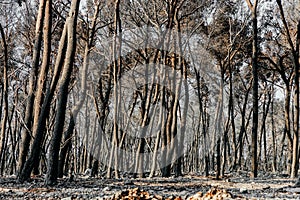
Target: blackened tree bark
202,95
71,23
161,123
295,161
116,75
254,163
26,137
68,134
184,76
40,127
146,97
3,137
41,83
244,121
295,54
219,126
218,158
263,135
287,79
274,147
171,119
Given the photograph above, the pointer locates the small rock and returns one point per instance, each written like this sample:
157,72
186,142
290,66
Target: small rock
67,198
106,189
19,193
243,190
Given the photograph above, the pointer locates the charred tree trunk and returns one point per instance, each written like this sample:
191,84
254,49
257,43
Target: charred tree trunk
243,127
40,127
254,163
295,161
26,132
116,93
68,134
3,136
63,94
287,125
295,54
41,84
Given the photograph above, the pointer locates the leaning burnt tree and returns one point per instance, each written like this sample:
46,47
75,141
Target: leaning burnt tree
63,63
63,91
89,44
28,118
36,96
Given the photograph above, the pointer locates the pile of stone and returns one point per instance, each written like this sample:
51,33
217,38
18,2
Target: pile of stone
138,194
213,193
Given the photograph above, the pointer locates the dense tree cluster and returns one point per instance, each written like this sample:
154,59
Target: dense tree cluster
148,87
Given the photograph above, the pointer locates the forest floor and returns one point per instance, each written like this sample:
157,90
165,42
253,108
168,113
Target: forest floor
233,186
